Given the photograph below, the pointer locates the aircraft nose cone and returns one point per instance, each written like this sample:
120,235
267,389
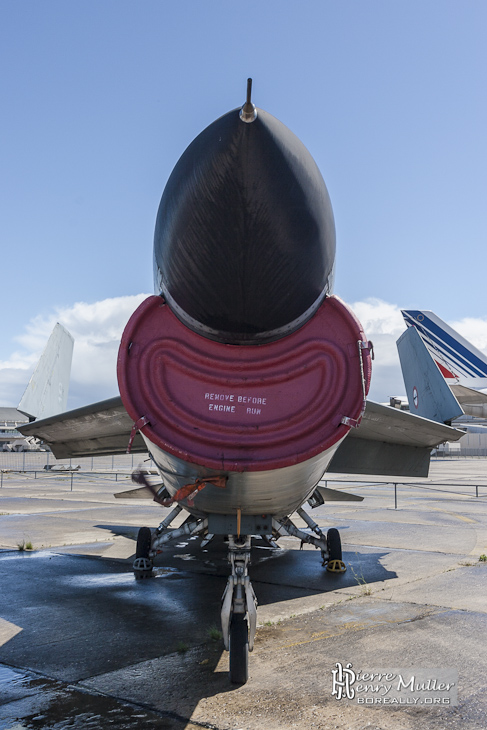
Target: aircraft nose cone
244,243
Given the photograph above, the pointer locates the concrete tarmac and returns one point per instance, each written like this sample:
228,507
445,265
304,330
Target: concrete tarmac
82,644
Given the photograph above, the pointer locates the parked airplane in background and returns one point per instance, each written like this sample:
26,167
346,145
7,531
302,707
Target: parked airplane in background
461,364
46,393
244,376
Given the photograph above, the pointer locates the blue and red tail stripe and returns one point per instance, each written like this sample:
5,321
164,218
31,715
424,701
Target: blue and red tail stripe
448,348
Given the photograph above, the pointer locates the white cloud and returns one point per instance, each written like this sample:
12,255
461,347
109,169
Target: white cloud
379,317
97,329
382,323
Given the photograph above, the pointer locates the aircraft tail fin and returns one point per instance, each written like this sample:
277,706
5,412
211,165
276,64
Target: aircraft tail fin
458,360
427,390
47,391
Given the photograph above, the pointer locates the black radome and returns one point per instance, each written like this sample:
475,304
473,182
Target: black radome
244,242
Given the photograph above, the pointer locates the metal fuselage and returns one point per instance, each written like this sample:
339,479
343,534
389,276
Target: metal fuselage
276,492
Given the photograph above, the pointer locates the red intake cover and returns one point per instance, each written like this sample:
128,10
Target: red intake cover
243,407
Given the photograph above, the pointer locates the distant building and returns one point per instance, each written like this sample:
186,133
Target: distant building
10,438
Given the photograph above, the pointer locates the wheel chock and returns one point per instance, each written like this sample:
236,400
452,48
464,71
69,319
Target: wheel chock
336,566
142,568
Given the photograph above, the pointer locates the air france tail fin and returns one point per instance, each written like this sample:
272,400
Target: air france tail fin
458,360
427,391
47,391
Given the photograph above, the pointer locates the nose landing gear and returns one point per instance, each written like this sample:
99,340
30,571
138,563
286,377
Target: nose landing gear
238,603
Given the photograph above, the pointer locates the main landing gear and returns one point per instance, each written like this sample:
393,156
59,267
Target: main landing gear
329,544
239,603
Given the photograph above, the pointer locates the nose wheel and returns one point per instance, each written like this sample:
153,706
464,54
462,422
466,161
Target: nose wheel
239,649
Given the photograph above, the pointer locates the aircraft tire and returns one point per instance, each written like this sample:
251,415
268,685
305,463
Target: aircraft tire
239,649
143,543
334,544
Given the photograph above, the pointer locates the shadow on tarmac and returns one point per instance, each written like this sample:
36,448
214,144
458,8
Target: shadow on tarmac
82,616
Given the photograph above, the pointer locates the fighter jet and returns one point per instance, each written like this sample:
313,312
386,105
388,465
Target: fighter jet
244,375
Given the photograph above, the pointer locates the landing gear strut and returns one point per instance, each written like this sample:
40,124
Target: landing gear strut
330,545
238,603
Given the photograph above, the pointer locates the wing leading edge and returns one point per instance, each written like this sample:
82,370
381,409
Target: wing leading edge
100,429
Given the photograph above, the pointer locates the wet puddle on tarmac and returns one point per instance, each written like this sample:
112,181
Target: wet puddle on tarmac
31,702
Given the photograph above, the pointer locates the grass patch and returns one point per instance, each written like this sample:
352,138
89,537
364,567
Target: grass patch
214,634
483,558
366,589
182,647
273,623
22,546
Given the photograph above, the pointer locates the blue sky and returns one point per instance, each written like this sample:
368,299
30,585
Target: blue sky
100,98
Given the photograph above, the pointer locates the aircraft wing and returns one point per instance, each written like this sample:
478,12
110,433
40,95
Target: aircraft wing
473,402
388,441
468,396
99,429
391,442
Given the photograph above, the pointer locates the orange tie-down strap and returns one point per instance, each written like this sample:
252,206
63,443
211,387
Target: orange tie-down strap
189,491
